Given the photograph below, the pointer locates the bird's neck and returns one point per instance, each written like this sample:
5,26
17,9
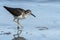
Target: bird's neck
25,15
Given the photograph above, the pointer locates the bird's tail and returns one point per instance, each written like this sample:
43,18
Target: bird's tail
9,9
13,11
6,7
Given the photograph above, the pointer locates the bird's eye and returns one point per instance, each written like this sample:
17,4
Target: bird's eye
28,12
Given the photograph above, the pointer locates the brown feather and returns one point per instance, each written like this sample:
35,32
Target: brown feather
15,11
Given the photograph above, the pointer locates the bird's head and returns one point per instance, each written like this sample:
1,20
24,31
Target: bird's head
29,13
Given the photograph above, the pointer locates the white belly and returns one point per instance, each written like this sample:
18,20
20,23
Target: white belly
21,17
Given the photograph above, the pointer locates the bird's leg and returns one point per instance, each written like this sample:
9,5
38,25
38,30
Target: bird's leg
17,21
19,31
14,19
19,28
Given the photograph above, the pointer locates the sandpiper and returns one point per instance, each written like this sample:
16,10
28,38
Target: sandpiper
19,13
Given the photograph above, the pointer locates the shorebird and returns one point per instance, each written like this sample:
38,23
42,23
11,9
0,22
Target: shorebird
19,13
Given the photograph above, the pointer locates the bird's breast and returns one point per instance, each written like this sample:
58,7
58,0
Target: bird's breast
22,17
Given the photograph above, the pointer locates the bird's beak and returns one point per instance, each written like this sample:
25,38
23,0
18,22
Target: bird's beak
33,15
